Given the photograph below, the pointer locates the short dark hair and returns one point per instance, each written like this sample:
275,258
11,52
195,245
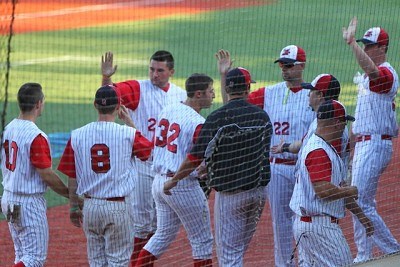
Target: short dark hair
197,81
161,56
29,95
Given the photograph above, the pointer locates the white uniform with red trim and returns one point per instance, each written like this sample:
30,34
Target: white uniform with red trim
320,239
144,109
290,116
342,148
23,186
375,123
103,164
177,128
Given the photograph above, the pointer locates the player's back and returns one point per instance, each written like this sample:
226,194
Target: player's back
103,157
152,101
174,136
19,175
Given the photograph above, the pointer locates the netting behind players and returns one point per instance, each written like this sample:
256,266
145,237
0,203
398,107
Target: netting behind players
59,44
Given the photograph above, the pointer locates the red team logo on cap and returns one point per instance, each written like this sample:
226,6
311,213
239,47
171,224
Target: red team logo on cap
286,52
368,34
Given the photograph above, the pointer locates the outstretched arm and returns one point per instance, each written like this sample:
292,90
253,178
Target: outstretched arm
365,62
287,147
329,192
186,168
353,207
53,181
224,63
107,68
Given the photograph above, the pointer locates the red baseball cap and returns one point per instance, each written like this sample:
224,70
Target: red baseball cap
291,54
238,78
333,109
375,35
325,83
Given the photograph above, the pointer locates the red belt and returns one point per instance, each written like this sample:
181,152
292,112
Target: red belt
360,138
309,219
282,161
119,199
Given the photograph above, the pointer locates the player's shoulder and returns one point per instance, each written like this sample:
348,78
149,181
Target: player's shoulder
280,85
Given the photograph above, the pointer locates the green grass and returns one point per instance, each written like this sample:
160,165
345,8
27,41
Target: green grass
67,63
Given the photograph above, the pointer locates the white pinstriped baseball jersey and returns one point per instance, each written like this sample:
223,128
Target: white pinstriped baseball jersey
24,179
304,200
152,101
174,137
102,152
344,140
375,113
290,114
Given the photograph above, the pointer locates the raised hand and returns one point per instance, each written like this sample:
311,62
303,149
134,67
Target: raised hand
224,61
350,32
107,68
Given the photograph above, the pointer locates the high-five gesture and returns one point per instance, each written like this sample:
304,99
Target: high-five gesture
107,68
350,32
224,61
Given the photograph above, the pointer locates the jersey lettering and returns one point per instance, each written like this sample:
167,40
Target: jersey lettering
14,150
100,154
165,140
281,128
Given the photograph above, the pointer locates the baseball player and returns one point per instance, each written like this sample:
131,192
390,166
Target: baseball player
145,99
176,132
287,106
320,194
238,135
27,171
98,160
323,88
374,128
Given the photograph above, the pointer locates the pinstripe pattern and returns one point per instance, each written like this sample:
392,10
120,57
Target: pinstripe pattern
105,172
371,108
31,234
152,101
321,242
143,208
24,179
370,160
187,205
290,116
304,201
117,181
24,186
375,115
236,216
108,232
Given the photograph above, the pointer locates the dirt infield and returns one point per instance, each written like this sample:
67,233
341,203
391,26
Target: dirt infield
38,15
68,245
